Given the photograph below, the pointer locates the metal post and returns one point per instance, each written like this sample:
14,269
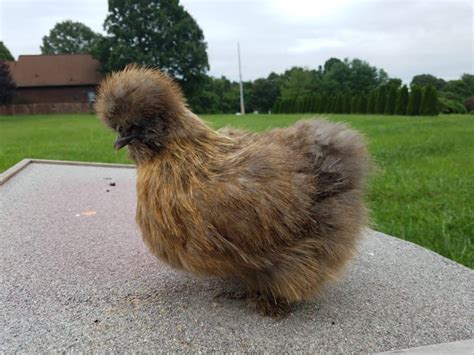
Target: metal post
242,106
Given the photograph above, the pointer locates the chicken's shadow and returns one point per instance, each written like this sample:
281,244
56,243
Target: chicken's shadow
205,294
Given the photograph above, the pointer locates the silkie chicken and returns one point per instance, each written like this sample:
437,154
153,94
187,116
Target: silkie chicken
281,211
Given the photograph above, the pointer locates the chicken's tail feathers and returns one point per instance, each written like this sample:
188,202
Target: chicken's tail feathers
339,157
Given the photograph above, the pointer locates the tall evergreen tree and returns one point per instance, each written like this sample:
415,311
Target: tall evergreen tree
363,104
317,103
338,103
429,101
331,104
323,104
414,103
307,104
292,106
354,103
277,107
402,101
391,101
381,99
346,104
281,107
371,101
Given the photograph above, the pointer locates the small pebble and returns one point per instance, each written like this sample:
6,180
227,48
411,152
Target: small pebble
112,184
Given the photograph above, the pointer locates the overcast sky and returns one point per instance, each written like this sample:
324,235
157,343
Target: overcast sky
405,37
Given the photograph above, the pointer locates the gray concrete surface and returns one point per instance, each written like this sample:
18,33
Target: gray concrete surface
75,276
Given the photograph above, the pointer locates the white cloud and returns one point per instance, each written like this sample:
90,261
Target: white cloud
306,10
314,44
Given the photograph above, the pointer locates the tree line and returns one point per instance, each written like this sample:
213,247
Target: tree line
394,101
161,33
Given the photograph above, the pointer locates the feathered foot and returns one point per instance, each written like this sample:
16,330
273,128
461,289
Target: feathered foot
271,306
262,303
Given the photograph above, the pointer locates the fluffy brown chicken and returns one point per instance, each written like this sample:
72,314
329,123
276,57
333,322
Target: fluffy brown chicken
282,210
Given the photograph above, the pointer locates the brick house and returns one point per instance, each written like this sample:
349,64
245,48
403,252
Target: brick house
60,78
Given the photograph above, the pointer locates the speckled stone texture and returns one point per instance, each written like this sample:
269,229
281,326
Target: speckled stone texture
75,276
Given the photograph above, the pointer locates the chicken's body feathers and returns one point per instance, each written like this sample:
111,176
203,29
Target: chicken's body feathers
279,210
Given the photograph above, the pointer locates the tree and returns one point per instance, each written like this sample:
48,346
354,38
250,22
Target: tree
391,101
7,86
5,53
300,105
381,100
371,102
468,79
338,103
317,104
265,92
298,82
323,107
402,101
414,103
429,101
428,79
457,90
363,77
330,63
451,106
70,38
307,104
354,104
469,104
346,105
363,102
394,83
156,33
276,107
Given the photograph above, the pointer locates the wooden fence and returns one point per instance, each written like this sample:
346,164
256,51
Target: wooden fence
37,109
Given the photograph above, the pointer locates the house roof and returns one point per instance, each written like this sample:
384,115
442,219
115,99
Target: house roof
55,70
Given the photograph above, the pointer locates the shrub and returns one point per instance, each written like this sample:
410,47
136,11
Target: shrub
451,106
469,104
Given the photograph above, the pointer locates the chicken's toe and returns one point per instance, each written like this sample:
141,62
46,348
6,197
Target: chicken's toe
271,306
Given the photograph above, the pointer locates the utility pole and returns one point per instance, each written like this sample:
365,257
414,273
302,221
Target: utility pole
242,106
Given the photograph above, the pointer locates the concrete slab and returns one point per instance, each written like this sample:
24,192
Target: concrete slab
463,347
75,276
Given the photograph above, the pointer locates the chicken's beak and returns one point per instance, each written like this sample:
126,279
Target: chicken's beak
121,142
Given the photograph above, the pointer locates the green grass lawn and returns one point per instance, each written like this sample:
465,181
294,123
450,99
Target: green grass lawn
424,191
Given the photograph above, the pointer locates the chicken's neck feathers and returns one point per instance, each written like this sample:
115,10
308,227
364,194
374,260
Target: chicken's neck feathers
193,150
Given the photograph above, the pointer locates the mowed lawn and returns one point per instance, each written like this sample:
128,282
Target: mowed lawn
423,191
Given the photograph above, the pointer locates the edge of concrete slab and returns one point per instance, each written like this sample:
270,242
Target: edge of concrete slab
462,347
15,169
